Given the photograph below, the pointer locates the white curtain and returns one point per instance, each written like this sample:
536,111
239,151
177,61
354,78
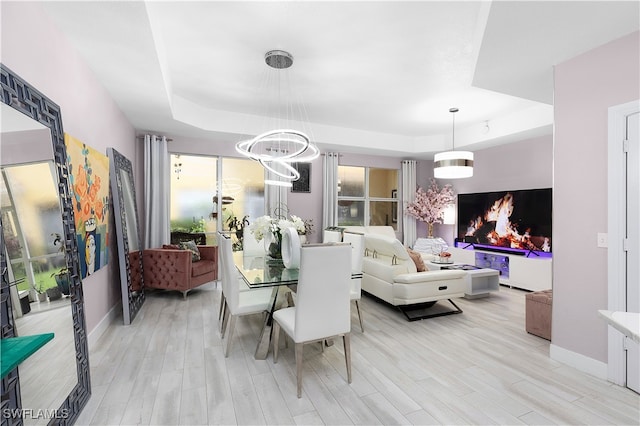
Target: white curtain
157,188
330,189
408,196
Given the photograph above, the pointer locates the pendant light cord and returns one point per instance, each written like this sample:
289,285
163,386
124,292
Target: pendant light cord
453,127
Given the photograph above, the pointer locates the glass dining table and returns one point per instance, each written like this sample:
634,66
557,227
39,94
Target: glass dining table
260,271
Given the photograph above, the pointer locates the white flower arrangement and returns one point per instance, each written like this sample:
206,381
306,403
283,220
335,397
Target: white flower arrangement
299,224
265,225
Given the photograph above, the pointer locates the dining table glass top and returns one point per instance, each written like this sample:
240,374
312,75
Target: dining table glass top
263,271
259,270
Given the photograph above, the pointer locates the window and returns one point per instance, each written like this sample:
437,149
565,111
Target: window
367,196
211,193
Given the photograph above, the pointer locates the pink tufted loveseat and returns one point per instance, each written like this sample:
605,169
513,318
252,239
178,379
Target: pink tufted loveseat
171,269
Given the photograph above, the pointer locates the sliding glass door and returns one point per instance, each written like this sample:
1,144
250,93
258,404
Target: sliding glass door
214,193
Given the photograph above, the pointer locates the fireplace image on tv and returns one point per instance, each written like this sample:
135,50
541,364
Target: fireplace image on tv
513,221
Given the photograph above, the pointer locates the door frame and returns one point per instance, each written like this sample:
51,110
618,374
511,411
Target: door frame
616,262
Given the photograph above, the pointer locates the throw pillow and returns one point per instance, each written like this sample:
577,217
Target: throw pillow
193,248
171,247
417,259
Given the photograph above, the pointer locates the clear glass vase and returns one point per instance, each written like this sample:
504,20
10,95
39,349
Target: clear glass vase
274,246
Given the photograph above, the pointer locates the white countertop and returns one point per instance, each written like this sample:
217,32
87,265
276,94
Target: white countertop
628,323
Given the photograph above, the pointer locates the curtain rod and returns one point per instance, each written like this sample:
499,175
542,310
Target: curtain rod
158,136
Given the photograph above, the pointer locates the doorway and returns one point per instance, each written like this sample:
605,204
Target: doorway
624,238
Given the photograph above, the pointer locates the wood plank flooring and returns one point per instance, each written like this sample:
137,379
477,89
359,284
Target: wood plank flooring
478,367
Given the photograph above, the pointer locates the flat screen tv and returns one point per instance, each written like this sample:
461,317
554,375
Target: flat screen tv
514,221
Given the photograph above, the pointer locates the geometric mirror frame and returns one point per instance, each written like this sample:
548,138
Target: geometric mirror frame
129,244
24,98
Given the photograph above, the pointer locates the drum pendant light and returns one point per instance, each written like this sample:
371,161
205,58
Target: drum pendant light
453,164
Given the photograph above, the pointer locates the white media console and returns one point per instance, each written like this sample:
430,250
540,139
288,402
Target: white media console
527,273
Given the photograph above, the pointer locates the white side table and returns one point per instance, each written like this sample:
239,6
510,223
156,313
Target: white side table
480,282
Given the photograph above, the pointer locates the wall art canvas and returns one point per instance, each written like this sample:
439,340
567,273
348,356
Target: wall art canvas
89,179
304,183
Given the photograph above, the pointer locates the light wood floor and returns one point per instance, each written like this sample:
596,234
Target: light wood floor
479,367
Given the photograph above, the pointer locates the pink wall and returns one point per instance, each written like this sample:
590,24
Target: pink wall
43,57
585,87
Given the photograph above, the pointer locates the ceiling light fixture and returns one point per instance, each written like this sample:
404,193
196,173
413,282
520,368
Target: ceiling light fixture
453,164
277,149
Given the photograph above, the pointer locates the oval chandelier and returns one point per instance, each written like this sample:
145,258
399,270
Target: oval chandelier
277,149
453,164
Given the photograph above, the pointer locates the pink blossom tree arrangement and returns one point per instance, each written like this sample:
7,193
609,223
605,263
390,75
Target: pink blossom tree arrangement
429,205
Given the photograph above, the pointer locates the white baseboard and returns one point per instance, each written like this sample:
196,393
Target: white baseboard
578,361
103,325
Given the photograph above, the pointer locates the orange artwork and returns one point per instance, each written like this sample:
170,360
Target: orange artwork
89,179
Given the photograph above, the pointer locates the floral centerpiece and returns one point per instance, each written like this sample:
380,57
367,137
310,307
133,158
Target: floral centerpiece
429,205
270,229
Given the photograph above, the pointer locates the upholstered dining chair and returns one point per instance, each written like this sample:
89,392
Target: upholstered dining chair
357,254
323,304
238,303
251,246
243,285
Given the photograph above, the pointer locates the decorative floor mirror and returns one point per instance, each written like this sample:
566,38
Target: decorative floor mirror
37,243
128,234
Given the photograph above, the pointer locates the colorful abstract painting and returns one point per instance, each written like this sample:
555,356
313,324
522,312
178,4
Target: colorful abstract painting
89,177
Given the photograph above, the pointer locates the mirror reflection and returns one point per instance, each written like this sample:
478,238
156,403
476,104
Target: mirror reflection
130,212
127,235
34,248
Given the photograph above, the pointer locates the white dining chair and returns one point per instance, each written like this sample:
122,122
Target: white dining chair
238,303
251,246
322,308
357,254
241,283
331,236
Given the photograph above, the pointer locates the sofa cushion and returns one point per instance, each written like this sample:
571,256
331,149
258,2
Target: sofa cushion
192,247
202,267
417,259
386,246
382,268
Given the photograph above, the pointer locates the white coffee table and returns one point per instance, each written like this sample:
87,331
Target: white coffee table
480,282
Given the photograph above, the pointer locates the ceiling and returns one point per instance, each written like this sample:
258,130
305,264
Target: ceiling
372,76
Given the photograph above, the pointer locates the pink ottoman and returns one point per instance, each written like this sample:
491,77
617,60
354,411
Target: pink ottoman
538,313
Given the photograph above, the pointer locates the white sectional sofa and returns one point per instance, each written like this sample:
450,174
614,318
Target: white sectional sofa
390,274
